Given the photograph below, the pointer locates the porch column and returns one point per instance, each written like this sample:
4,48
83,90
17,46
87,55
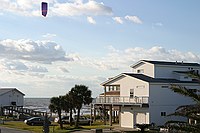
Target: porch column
110,116
114,117
104,106
91,114
94,114
134,119
119,115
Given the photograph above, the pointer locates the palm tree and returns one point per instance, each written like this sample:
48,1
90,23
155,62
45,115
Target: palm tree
57,104
189,111
71,107
80,95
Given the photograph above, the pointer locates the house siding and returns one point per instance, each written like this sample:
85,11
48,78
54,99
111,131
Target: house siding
12,96
147,67
163,71
165,100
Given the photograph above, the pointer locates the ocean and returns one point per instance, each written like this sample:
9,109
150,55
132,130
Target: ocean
42,104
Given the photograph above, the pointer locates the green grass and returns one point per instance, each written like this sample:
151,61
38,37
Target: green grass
38,129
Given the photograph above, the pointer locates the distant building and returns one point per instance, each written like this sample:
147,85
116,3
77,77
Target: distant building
11,97
143,95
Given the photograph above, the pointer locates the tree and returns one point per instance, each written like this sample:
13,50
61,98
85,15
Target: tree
57,104
80,95
71,107
189,111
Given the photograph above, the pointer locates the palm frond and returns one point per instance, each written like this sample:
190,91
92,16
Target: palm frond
185,92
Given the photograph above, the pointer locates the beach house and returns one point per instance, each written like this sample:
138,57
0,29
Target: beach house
11,97
143,95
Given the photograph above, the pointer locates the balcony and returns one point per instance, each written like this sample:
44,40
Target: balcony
116,100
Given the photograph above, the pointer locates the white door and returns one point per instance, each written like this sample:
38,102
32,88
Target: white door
141,118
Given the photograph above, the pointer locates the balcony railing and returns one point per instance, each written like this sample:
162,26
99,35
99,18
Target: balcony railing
120,100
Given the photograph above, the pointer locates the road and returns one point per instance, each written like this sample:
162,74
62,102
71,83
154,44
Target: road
12,130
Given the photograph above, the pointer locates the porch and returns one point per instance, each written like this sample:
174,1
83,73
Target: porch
119,100
113,104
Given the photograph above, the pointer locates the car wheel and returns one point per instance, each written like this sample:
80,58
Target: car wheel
32,124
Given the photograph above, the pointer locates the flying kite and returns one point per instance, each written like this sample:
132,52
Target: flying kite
44,8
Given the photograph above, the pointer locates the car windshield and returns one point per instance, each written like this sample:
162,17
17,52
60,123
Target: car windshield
65,117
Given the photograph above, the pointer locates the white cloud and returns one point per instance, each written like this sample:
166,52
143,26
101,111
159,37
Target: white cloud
79,8
14,65
37,69
73,8
91,20
118,20
49,36
54,79
134,19
158,24
120,60
36,51
20,66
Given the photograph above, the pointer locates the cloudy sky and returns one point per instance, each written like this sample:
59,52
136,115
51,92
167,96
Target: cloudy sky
88,41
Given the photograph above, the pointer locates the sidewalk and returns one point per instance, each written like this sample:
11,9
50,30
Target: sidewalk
12,130
115,129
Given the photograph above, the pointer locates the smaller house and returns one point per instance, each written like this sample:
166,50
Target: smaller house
11,97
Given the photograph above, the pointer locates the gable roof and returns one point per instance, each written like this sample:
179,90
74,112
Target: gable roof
166,63
6,90
148,79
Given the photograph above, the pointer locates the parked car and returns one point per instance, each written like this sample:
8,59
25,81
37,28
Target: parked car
39,121
83,120
64,119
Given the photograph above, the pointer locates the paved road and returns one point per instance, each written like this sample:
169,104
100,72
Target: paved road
12,130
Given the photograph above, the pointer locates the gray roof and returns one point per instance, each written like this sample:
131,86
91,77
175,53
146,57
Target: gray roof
157,80
172,63
6,90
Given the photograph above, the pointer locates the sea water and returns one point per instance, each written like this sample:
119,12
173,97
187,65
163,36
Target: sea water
42,104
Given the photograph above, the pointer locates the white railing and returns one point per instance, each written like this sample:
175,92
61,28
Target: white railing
118,100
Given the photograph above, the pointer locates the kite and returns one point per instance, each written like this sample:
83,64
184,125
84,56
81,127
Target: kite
44,8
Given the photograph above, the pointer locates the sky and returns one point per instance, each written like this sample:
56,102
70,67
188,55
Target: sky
88,41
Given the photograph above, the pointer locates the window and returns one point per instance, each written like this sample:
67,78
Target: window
140,71
165,86
117,87
140,86
163,113
185,77
131,93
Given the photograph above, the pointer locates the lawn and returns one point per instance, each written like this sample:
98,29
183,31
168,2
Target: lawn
55,128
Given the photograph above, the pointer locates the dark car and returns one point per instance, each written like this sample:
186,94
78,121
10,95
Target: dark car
39,121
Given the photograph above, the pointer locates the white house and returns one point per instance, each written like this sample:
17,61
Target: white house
11,97
143,95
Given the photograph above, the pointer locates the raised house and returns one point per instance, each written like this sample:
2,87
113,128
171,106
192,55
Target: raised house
143,95
11,97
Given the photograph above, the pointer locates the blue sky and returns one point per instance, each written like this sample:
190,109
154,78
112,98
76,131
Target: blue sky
88,41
